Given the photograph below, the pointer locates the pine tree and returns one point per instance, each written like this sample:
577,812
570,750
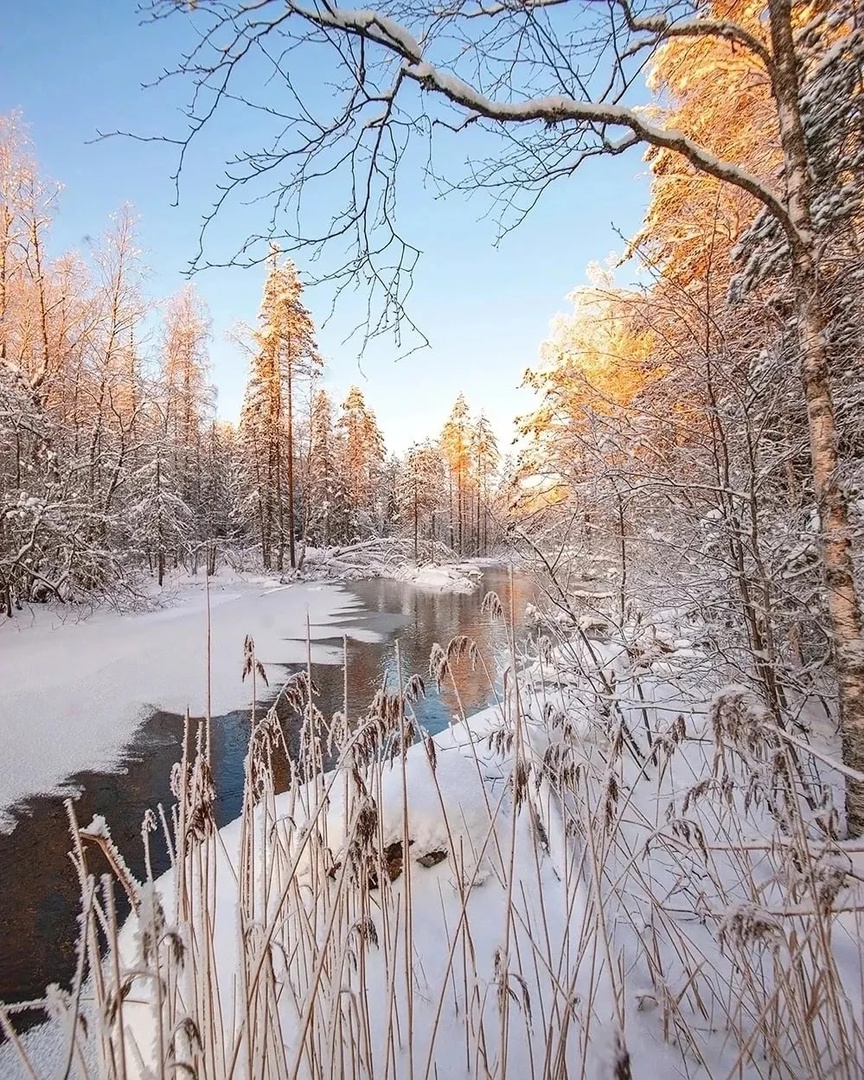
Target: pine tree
420,492
361,459
456,447
215,517
324,496
159,518
285,351
485,458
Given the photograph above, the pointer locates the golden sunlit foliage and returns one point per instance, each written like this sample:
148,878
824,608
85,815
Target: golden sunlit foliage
598,358
671,418
720,95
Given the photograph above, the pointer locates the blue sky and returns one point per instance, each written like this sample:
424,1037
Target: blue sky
74,67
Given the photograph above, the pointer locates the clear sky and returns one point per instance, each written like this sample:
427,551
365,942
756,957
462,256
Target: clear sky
75,67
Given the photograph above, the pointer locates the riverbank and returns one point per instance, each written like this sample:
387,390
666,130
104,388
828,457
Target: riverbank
74,686
621,867
40,928
76,682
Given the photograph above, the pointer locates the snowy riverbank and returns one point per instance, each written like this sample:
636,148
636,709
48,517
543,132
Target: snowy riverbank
621,868
76,683
453,577
73,689
393,558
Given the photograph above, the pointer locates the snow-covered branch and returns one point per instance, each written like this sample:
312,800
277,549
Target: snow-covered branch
555,109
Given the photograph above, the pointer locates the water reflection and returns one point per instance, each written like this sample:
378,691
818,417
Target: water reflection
414,621
418,620
38,891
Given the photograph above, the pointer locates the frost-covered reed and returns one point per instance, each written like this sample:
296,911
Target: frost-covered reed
597,877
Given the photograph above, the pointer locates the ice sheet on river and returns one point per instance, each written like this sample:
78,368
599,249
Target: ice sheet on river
73,690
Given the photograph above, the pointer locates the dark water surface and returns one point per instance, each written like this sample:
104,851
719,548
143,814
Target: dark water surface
38,890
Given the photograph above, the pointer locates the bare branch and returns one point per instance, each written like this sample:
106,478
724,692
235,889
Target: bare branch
547,84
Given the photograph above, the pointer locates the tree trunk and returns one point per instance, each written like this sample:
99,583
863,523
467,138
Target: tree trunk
460,509
622,543
843,605
262,529
450,507
843,608
280,503
416,523
160,554
292,556
276,436
5,243
485,514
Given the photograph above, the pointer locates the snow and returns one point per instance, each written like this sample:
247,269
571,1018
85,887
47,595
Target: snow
551,863
456,782
461,807
73,690
457,578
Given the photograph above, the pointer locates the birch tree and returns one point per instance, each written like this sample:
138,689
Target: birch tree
69,381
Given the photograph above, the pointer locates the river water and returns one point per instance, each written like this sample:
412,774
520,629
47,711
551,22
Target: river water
38,891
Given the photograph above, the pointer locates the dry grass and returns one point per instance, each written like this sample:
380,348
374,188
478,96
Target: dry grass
637,890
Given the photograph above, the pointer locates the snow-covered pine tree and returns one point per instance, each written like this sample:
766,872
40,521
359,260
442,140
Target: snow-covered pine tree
215,519
455,441
285,351
485,459
421,492
160,521
325,511
360,457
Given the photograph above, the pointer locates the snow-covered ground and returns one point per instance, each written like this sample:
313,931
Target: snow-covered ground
449,577
456,810
618,871
392,557
74,689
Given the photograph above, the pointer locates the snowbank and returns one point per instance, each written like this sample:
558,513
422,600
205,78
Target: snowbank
462,916
391,557
73,690
450,577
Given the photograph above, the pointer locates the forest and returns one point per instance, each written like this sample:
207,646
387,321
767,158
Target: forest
643,856
112,457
